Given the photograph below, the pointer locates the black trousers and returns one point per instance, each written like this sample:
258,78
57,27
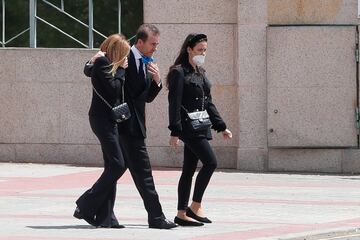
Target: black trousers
137,160
98,202
195,149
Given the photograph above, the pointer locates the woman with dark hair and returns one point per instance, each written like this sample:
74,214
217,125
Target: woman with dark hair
189,93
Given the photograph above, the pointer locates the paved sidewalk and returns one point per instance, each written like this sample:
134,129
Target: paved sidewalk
37,202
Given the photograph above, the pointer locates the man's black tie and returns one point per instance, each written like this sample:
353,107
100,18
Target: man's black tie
141,68
141,71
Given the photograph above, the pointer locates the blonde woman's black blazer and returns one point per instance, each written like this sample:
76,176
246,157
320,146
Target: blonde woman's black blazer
108,86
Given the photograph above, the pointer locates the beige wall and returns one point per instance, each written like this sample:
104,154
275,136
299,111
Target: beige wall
44,97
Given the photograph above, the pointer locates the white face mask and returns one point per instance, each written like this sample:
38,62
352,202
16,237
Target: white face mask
199,60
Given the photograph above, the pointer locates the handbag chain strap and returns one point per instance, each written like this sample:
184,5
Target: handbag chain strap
106,102
203,99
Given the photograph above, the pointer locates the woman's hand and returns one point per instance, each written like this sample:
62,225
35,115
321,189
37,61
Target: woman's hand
174,142
97,55
124,64
227,134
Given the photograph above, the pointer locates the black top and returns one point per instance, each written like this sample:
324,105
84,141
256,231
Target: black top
108,86
138,92
186,88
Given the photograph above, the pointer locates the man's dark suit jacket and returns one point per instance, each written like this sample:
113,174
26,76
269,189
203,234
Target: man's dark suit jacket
138,91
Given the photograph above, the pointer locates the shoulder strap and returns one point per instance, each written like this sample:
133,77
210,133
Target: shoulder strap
102,98
106,102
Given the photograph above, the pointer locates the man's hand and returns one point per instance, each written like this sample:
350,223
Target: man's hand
97,55
153,69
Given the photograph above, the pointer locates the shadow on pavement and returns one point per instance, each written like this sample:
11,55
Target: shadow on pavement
132,226
63,227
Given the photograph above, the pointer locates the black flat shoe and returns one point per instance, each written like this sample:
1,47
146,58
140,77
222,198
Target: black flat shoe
191,214
187,223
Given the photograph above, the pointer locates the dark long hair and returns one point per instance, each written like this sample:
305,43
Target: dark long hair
183,58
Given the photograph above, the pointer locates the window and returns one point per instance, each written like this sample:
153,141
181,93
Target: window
16,32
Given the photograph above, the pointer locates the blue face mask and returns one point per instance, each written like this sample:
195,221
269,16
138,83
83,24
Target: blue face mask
147,60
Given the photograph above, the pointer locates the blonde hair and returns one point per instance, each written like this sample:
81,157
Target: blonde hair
117,49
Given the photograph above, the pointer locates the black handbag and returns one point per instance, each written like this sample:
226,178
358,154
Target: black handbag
199,120
119,113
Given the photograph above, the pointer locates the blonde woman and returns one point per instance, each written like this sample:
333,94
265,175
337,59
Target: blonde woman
108,76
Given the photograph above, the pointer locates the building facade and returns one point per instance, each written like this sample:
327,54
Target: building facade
284,73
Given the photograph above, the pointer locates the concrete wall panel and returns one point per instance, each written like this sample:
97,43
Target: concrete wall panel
7,153
189,11
312,12
311,73
36,112
351,161
220,58
47,65
307,160
252,12
74,120
7,121
252,86
311,56
251,79
8,68
252,55
88,155
252,159
252,130
305,117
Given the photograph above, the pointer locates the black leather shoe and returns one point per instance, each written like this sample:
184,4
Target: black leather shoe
112,226
118,226
186,223
162,223
78,214
191,214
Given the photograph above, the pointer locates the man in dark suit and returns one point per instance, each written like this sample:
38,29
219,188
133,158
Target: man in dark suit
142,85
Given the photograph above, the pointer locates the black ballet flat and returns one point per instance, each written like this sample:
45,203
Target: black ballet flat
186,223
191,214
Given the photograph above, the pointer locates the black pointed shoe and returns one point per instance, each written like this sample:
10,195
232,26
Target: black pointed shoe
162,223
78,214
186,223
112,226
191,214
